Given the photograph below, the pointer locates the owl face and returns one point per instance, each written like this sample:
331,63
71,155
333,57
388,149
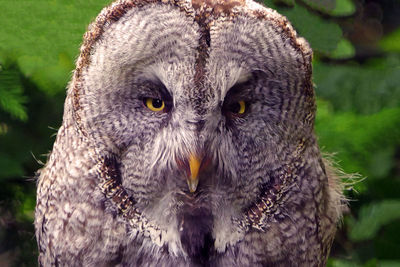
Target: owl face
202,104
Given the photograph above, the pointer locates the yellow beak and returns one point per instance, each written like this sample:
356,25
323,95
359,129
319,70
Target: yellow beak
194,165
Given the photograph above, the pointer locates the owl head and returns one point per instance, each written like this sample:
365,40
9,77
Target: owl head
199,116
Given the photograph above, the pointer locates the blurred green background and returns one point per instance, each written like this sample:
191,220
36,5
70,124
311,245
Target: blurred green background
357,81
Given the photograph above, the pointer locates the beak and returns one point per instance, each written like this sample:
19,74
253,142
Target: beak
194,165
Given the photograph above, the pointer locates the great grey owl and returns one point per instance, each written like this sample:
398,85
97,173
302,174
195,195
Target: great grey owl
187,140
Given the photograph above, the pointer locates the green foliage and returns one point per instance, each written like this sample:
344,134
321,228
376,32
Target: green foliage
391,43
358,116
343,8
323,35
370,263
332,7
43,37
360,88
12,99
365,140
372,217
343,50
290,3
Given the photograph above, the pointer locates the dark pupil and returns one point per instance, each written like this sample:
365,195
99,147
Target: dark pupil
234,107
157,103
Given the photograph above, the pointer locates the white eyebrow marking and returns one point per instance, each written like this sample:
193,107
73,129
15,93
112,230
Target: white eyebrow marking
235,76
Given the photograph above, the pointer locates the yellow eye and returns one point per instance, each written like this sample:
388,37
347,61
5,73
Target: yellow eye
154,104
238,107
242,108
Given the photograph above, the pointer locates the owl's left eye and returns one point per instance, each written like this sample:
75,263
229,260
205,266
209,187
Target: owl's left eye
237,108
154,104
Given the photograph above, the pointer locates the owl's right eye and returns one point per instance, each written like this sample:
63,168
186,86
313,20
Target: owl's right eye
154,104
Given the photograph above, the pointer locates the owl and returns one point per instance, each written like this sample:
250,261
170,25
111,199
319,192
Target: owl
187,140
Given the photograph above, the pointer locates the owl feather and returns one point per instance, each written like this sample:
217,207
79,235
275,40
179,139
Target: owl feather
188,140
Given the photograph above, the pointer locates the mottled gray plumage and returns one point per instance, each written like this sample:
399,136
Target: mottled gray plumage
114,190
